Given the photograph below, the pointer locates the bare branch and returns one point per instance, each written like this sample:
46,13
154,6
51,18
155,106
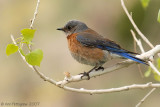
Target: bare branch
135,26
124,88
154,68
138,41
135,50
35,14
142,50
145,97
150,63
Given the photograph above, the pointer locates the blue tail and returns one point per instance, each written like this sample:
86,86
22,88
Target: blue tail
122,52
129,56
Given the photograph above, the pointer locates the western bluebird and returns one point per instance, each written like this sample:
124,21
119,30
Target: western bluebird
88,47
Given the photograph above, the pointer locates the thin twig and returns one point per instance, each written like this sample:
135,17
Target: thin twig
135,26
142,50
140,71
33,20
135,49
137,41
145,97
35,14
152,66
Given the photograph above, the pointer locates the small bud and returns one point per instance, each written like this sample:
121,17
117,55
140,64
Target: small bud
67,74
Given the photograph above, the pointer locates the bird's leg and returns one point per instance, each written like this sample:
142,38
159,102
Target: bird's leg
87,73
94,68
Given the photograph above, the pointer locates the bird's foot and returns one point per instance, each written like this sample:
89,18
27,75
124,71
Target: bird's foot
85,74
99,68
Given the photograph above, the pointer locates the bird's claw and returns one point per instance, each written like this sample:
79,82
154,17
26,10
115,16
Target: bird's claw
99,68
85,74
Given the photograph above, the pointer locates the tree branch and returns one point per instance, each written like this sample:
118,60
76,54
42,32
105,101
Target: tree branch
124,88
135,49
35,14
135,26
142,50
137,41
141,34
145,97
150,63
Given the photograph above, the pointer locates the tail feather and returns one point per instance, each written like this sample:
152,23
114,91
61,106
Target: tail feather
129,56
124,53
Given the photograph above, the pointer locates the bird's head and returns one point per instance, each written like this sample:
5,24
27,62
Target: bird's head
73,26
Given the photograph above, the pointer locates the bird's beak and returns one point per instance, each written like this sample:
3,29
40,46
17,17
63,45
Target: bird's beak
62,29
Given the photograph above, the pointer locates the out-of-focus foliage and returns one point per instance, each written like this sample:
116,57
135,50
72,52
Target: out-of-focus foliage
148,72
158,18
145,3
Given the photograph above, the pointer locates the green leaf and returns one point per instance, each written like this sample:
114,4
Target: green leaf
28,35
157,77
35,57
148,72
158,18
158,62
145,3
11,48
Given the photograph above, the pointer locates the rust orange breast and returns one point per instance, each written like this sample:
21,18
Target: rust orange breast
84,54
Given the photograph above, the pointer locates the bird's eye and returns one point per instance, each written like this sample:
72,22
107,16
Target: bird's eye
69,27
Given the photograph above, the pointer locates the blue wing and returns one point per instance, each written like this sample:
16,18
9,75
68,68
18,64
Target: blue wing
97,41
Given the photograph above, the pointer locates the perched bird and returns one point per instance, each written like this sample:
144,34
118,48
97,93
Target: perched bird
89,47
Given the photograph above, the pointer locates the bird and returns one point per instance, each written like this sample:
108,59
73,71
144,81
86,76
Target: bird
90,48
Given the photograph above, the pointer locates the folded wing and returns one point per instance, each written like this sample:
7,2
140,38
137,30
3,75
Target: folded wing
97,41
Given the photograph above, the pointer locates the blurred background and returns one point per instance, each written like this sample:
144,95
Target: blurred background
19,84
